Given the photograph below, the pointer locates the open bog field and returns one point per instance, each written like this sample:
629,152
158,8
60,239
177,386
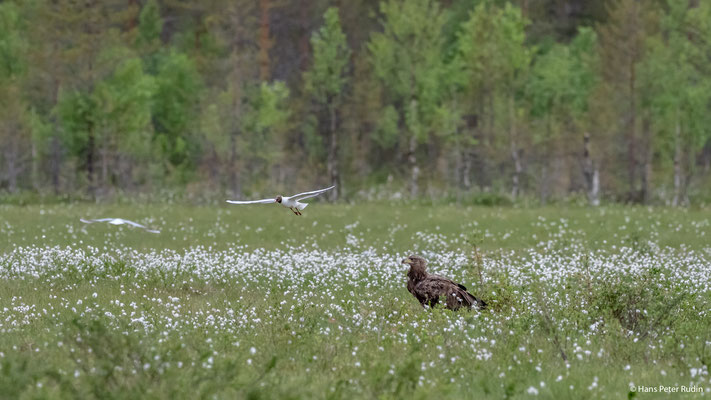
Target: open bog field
254,302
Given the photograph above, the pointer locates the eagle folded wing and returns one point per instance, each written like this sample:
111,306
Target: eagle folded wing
434,286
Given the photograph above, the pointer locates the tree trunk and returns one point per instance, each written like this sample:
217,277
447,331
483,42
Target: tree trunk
467,168
515,156
332,162
55,161
11,165
55,147
414,169
90,162
305,13
235,186
265,40
647,163
35,167
591,173
632,136
595,191
543,190
91,140
678,177
104,165
690,160
464,169
135,7
458,172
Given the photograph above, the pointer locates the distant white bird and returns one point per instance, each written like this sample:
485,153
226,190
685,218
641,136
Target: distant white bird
118,221
293,203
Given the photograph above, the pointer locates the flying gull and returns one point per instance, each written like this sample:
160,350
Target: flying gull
293,203
118,221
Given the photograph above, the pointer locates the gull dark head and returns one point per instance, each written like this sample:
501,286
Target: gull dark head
278,199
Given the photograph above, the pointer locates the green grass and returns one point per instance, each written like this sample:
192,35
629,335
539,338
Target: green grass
254,302
383,226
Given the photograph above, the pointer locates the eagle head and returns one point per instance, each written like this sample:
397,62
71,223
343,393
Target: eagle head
415,261
278,199
417,267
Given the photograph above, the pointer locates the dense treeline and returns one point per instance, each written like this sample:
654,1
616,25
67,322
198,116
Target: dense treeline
607,99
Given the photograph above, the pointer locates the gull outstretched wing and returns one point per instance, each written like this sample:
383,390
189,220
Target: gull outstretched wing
263,201
118,221
307,195
91,221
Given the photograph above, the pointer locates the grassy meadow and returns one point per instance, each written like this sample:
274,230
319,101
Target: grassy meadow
254,302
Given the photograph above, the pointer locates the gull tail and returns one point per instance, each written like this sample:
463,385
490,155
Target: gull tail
301,206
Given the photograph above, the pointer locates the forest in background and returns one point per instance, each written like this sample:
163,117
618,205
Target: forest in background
603,100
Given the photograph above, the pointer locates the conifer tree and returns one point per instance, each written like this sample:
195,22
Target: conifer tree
325,82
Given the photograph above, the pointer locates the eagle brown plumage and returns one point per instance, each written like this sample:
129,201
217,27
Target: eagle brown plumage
428,288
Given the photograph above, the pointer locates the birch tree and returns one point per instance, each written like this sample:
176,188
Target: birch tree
325,82
408,59
494,54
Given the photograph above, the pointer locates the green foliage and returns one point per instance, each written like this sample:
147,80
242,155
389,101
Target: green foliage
13,69
150,24
331,57
78,114
447,121
492,47
387,133
408,59
676,89
490,87
325,82
174,111
40,130
269,106
245,120
148,40
314,142
563,78
493,62
267,114
125,107
116,113
13,44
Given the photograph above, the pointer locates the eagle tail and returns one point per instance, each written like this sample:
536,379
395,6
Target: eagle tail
473,300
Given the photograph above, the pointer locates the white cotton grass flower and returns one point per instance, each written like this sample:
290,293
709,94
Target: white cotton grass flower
348,292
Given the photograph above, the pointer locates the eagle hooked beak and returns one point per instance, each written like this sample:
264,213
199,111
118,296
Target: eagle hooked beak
406,260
